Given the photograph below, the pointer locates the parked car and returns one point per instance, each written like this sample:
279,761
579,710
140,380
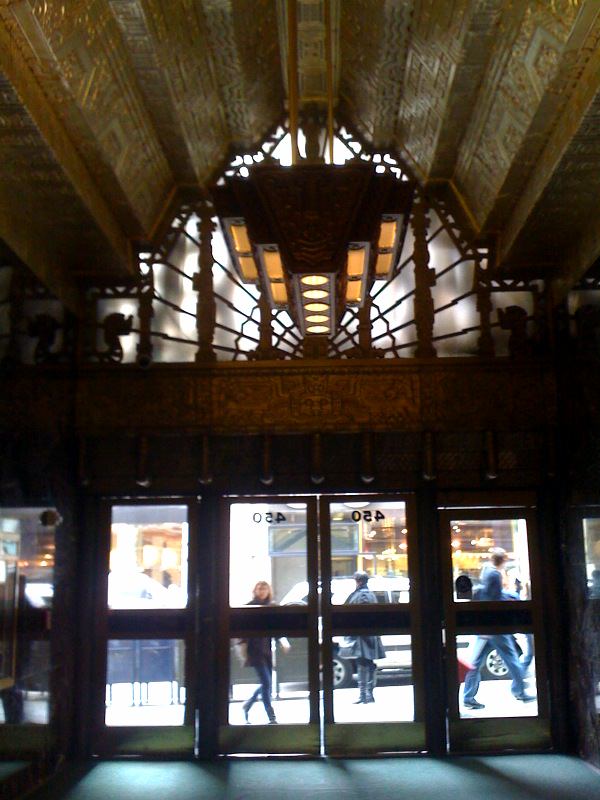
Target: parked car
387,589
136,590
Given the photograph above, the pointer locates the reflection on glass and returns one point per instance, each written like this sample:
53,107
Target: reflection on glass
483,548
496,674
280,668
372,678
27,551
268,543
148,557
370,537
591,532
145,682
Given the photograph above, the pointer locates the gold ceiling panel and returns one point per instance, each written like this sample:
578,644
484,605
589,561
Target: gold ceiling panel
246,58
42,218
311,45
82,65
477,38
122,101
555,216
373,46
435,50
527,83
146,32
562,234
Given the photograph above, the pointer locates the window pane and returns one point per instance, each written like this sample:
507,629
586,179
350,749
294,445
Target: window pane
497,675
145,682
369,537
490,559
591,530
148,557
267,547
27,552
282,667
372,678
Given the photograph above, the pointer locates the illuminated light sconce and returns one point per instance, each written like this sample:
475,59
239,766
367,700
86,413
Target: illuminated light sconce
387,245
357,270
314,236
271,265
317,301
240,247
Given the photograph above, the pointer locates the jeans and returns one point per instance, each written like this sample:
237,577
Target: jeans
264,690
504,644
528,654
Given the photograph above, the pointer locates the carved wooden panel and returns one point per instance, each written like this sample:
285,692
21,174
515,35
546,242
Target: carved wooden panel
155,401
266,398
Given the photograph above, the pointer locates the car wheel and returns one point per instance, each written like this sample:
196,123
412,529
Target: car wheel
342,673
494,667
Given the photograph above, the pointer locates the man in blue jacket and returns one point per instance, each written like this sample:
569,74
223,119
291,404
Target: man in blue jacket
503,643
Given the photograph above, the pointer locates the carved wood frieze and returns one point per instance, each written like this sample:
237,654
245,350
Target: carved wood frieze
271,398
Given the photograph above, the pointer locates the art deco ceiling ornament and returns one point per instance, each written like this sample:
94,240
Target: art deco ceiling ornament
314,235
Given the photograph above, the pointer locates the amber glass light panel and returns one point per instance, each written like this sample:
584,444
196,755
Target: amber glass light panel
148,557
239,234
273,264
354,291
473,544
356,262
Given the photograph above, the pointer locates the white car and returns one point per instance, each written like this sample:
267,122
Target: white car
135,590
387,589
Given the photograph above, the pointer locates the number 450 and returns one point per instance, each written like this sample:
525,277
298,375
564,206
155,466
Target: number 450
278,517
368,516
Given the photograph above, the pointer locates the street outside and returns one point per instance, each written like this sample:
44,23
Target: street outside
393,703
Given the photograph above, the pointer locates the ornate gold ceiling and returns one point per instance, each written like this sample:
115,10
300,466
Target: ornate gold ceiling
107,107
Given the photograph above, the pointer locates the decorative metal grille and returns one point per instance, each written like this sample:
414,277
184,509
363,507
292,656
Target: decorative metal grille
189,303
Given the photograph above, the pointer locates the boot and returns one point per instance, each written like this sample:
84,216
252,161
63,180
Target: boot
371,681
271,715
361,675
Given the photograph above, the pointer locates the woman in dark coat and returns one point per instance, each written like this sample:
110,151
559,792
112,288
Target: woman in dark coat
366,649
260,657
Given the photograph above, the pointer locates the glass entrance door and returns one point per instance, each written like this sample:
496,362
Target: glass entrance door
320,662
269,696
143,626
373,683
495,666
310,629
